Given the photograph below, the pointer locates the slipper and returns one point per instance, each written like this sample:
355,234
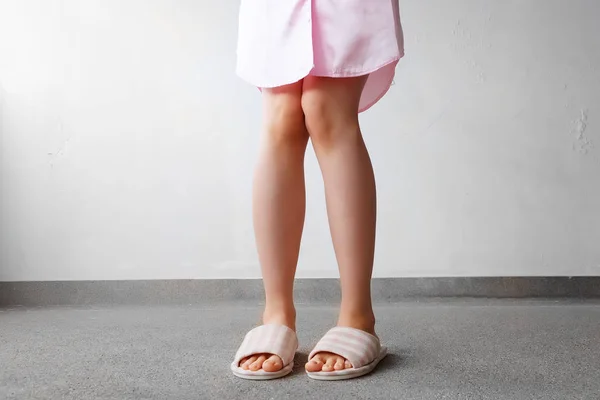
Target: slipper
361,349
271,339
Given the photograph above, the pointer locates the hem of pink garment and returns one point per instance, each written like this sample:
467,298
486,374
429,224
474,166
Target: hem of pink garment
353,74
394,60
385,90
260,87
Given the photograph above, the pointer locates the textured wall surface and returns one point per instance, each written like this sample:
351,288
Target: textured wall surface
127,143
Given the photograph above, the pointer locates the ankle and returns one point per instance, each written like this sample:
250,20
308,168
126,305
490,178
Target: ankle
359,319
281,316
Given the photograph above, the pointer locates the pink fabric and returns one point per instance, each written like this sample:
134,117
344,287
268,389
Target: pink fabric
283,41
271,339
356,346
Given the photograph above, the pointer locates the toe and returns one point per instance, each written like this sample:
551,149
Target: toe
246,364
339,364
347,364
272,364
256,365
330,363
315,364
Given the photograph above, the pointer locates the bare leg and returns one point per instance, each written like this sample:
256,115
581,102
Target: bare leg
330,106
278,208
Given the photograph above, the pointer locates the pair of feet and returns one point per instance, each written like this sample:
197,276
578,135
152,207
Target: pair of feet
320,362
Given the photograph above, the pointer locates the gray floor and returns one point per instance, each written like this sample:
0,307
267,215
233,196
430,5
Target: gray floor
439,350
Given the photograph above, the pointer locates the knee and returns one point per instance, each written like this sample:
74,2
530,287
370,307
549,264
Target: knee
326,123
285,123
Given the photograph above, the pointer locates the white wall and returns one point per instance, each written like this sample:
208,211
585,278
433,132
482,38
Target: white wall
127,143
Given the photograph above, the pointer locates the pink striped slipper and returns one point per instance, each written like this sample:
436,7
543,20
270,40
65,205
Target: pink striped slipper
272,339
363,350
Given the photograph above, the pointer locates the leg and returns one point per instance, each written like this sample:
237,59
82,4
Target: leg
278,208
331,109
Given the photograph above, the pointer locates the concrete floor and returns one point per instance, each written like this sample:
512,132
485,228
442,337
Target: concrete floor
439,350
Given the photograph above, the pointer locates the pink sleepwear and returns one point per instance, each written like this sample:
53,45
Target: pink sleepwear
282,41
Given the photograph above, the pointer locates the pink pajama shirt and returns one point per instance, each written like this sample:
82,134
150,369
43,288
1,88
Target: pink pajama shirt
282,41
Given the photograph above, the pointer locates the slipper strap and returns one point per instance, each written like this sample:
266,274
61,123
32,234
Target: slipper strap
356,346
272,339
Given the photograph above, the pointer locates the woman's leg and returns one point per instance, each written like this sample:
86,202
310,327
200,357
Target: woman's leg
331,110
278,208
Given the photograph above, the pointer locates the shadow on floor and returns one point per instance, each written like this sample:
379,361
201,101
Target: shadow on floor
394,360
299,361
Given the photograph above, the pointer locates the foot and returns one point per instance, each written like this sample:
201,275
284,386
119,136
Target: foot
329,362
265,361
